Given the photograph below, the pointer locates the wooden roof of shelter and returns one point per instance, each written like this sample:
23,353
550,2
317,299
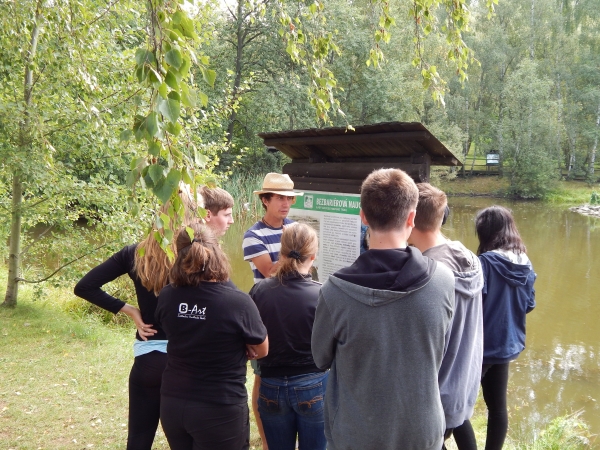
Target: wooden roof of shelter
378,142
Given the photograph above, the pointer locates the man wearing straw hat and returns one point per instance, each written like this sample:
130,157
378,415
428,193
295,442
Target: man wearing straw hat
262,241
261,245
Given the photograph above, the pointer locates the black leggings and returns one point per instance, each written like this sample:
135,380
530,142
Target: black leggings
144,399
464,436
494,383
192,425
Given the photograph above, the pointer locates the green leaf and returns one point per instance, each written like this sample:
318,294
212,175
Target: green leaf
166,219
137,163
170,109
171,80
154,78
186,176
190,233
143,56
175,95
203,98
154,149
188,96
156,172
163,90
167,186
173,58
178,17
209,76
151,124
174,128
185,66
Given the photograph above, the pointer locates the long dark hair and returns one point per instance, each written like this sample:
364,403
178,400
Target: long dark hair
496,229
198,259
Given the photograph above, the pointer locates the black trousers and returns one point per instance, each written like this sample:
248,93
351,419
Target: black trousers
144,399
494,383
464,436
192,425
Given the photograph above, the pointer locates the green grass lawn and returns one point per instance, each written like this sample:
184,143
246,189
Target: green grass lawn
63,381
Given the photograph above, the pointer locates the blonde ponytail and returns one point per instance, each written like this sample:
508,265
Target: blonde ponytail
298,243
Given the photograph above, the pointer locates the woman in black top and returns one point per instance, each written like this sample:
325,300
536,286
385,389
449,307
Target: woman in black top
212,328
149,274
292,387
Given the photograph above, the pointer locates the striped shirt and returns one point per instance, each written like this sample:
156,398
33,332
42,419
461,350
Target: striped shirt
261,239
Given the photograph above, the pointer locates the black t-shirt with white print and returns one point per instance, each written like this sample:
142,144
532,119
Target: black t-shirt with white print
208,327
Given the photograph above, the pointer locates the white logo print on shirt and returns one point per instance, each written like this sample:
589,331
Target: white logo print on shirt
194,313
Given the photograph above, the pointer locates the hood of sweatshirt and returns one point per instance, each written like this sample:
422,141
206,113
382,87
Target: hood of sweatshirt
379,277
513,274
466,267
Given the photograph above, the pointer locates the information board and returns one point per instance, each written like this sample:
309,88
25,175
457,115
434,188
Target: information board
335,218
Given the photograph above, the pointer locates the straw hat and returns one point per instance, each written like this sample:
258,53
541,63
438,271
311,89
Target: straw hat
278,183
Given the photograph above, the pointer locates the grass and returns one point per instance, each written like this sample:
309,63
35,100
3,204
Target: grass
63,382
63,375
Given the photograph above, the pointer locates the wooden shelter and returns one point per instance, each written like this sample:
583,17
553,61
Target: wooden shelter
338,159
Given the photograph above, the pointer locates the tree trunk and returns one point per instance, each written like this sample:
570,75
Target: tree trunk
14,256
593,151
239,56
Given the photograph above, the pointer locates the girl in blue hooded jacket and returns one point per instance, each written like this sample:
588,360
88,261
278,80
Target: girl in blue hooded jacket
508,295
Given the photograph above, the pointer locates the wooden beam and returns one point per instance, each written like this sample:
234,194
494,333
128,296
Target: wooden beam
354,170
308,185
348,138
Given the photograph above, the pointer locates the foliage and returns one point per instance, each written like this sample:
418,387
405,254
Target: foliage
562,433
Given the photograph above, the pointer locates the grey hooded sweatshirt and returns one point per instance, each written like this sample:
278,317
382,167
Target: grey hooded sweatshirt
460,373
380,326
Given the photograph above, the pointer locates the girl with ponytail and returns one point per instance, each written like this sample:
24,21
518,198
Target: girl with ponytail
149,274
292,386
212,328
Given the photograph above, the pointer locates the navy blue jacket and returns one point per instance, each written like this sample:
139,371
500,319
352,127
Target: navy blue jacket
508,295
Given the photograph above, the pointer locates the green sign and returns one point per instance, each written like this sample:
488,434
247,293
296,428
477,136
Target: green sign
334,203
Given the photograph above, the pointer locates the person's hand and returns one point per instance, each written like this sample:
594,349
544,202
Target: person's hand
251,352
145,330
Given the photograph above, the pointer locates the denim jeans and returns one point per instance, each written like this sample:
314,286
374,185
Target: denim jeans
293,405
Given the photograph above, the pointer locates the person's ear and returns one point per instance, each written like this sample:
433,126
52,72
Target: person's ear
363,218
208,215
410,220
313,257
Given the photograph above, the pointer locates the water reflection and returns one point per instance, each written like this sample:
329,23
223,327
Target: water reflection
559,371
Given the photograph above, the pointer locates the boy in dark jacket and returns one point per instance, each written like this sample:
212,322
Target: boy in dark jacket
380,326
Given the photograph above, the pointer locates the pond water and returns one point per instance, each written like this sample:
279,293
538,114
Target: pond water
559,371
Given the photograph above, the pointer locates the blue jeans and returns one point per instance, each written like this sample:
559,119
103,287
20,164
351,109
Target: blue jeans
293,405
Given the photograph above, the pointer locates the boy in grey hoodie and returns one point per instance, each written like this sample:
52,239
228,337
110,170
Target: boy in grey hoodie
380,326
461,367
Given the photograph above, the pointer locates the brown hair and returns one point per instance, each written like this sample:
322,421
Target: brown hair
298,243
431,207
198,259
496,230
386,197
267,197
215,199
152,264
